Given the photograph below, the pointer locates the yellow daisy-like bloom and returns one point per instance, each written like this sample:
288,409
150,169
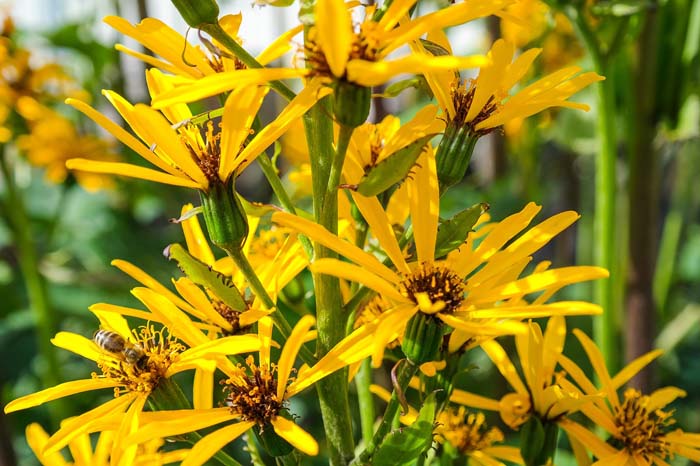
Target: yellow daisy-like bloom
484,103
83,454
640,426
474,289
257,395
54,139
133,381
339,49
184,60
541,392
188,155
465,431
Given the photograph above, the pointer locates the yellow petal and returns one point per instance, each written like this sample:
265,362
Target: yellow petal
235,344
501,360
129,170
598,363
314,91
326,238
78,344
148,281
295,435
36,438
240,109
374,73
200,302
89,421
473,400
59,391
197,243
125,455
290,351
484,328
265,336
424,198
633,368
599,448
210,444
357,274
562,308
203,387
221,82
380,226
335,34
664,396
124,311
177,321
279,46
159,424
149,60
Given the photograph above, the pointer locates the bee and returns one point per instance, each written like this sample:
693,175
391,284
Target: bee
114,343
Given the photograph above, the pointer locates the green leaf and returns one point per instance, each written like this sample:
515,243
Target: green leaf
394,89
453,232
203,275
393,169
405,445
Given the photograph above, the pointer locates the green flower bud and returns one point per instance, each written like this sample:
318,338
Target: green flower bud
539,441
352,103
226,220
273,444
453,154
198,12
422,339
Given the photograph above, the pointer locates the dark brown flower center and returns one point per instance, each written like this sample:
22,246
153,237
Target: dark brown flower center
252,393
439,283
462,100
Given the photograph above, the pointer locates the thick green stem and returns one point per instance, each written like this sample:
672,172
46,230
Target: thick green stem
243,264
363,380
605,326
36,286
218,33
332,390
405,373
273,178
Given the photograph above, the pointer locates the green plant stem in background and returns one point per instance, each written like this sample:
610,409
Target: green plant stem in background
332,390
273,178
243,264
37,292
363,380
605,326
405,372
218,33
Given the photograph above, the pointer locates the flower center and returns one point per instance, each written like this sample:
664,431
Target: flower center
467,432
442,285
156,351
462,99
206,155
642,431
231,315
252,393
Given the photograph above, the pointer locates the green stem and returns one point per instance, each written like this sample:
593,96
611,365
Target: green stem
363,380
218,33
405,373
36,286
273,178
243,264
605,326
332,390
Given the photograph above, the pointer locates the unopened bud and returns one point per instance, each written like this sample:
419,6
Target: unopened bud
453,154
422,338
226,220
198,12
352,103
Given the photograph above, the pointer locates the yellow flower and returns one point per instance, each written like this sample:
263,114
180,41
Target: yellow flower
83,454
484,103
640,426
474,289
339,49
257,395
181,58
465,431
532,16
160,356
541,392
54,139
188,155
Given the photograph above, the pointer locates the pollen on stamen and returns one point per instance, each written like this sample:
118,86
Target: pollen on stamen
160,350
468,432
641,431
439,283
373,309
207,156
251,393
232,316
462,97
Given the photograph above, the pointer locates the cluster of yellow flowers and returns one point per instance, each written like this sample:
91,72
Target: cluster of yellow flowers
28,95
392,280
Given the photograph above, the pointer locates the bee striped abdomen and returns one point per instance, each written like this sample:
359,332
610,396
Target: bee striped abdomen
109,341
